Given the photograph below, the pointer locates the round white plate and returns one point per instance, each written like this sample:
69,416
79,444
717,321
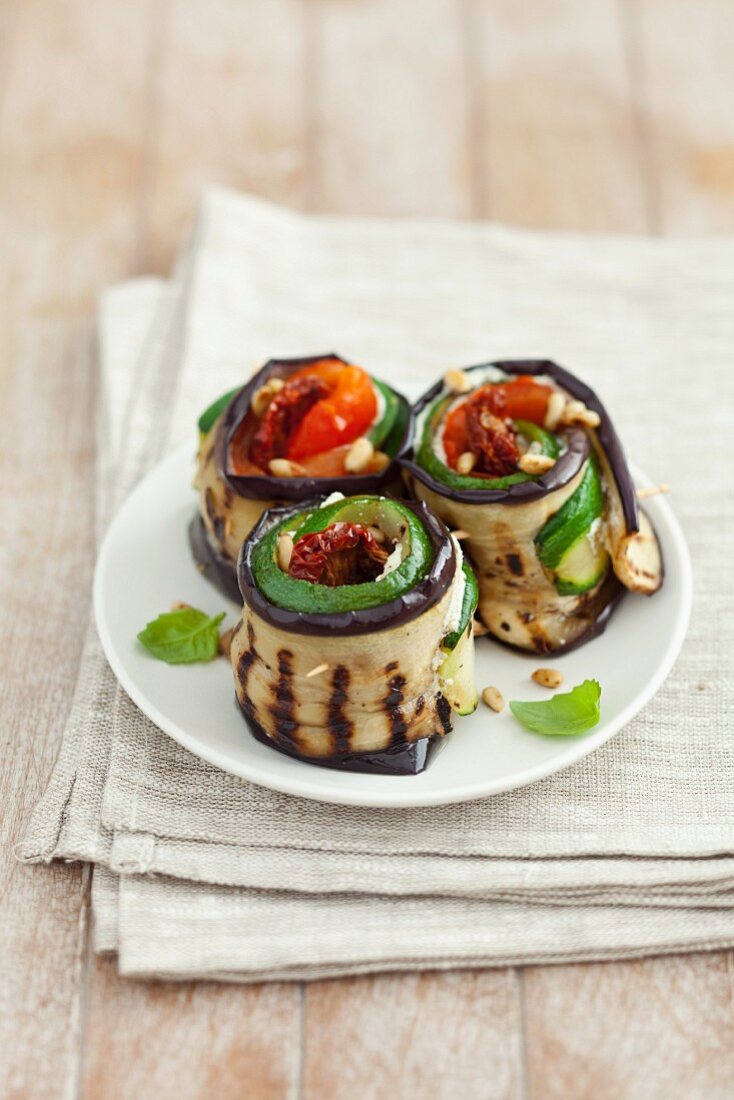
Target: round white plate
145,565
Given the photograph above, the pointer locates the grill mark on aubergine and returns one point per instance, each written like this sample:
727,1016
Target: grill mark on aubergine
391,703
283,707
443,710
245,663
514,564
340,726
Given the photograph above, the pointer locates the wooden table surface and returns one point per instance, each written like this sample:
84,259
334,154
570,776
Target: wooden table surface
612,115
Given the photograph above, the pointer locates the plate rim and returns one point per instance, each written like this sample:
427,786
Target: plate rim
403,799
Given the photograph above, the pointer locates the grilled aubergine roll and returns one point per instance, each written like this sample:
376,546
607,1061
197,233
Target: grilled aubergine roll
523,457
299,427
355,642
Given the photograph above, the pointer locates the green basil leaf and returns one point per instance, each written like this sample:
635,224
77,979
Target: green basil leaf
564,715
182,636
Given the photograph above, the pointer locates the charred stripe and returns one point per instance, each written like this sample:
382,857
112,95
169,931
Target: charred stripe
339,725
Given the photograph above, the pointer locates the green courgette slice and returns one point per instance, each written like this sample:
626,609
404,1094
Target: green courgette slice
397,521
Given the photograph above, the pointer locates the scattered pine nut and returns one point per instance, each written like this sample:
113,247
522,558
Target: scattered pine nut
576,412
548,677
359,455
317,670
284,550
466,463
458,381
377,534
379,462
536,464
652,491
178,605
479,629
225,641
554,412
283,467
262,397
494,698
460,534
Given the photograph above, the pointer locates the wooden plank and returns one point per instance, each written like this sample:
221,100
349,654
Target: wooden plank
387,1038
685,85
559,143
639,1030
189,1040
566,146
389,134
388,103
228,109
224,106
68,173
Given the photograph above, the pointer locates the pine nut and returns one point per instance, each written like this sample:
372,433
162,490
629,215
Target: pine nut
466,463
479,629
536,464
554,412
494,698
284,550
576,412
652,491
460,534
457,381
379,462
548,677
377,534
589,418
359,455
283,467
317,670
262,397
179,605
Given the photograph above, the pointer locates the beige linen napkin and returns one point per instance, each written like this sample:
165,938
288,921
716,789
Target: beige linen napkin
629,851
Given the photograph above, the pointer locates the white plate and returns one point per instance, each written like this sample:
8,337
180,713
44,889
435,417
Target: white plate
145,565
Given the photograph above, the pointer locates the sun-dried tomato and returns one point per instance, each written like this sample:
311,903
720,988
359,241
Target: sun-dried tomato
283,416
344,553
491,434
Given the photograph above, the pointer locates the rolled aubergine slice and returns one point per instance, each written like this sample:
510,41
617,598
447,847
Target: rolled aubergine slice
289,433
356,637
527,462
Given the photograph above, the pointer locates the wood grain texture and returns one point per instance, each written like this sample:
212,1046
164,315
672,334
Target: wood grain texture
571,144
228,107
189,1040
68,177
686,57
643,1030
389,108
224,106
552,111
441,1036
389,134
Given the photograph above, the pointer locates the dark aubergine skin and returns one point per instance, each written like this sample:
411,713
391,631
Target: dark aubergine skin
265,486
366,620
211,564
567,466
408,758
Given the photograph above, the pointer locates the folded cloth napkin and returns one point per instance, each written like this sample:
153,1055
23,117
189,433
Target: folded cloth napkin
629,852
